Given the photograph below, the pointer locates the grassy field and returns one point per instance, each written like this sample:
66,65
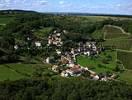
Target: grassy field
111,32
104,62
5,19
125,58
18,71
43,32
98,34
126,76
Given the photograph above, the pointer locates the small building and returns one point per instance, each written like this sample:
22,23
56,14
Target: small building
47,60
64,74
55,68
74,71
16,47
37,44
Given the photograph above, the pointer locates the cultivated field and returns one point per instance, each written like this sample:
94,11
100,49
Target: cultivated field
125,58
111,32
124,44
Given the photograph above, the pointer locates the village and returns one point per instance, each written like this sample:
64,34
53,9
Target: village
68,66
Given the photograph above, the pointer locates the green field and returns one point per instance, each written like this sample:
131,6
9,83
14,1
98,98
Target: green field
18,71
125,58
126,76
5,19
43,32
106,61
124,44
111,32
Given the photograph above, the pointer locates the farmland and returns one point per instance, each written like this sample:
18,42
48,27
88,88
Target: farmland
124,44
125,58
111,32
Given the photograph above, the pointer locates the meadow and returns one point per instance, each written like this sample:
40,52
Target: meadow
106,61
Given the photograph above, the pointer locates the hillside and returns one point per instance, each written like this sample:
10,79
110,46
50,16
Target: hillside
55,57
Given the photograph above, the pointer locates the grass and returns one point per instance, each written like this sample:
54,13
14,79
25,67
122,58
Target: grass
43,32
8,74
18,71
126,76
125,58
5,19
97,64
111,32
98,34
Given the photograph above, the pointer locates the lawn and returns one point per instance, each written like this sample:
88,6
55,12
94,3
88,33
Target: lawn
106,61
125,58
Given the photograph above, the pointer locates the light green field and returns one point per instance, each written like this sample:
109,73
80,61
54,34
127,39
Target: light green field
97,64
126,76
5,19
17,71
43,32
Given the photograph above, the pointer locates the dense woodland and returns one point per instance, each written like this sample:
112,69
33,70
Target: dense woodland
80,29
64,89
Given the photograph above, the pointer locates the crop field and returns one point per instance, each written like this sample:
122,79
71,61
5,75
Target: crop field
125,58
104,62
124,44
17,71
111,32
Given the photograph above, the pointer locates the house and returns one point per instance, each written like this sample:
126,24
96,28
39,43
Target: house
75,71
55,68
47,60
64,74
37,44
95,77
58,52
16,47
